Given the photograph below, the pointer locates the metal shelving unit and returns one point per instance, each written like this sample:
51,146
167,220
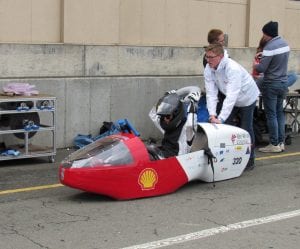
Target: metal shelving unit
20,117
292,110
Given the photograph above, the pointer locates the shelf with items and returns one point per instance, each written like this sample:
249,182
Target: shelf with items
292,111
28,127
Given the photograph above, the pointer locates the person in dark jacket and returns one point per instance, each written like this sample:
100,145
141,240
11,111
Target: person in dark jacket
273,64
176,122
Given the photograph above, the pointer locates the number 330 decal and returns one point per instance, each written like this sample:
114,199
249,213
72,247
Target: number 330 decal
237,160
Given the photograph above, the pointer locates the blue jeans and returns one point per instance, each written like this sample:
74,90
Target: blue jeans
273,95
245,121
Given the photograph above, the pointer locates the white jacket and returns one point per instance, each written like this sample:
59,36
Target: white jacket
234,82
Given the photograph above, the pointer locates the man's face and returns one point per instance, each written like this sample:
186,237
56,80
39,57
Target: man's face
221,39
266,38
213,60
167,118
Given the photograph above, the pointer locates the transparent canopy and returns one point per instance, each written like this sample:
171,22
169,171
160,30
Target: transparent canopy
108,151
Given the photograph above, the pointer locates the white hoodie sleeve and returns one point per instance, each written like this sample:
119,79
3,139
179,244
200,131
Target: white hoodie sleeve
233,81
211,91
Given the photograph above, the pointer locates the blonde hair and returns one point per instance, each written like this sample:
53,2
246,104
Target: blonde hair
217,49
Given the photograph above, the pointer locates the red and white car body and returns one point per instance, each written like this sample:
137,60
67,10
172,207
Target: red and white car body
120,166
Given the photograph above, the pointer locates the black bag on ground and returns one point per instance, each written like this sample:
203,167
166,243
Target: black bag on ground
107,126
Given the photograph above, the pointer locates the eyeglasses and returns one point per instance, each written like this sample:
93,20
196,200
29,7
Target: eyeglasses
210,57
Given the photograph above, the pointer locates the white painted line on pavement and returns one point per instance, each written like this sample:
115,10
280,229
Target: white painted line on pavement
214,231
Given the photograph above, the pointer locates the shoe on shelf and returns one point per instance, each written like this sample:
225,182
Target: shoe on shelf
250,165
281,145
271,149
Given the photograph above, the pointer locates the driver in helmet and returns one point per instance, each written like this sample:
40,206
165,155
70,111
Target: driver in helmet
177,120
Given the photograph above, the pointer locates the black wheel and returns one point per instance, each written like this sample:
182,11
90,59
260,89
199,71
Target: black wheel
258,134
288,140
51,159
18,121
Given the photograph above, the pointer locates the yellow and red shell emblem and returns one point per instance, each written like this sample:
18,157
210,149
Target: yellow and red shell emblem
147,179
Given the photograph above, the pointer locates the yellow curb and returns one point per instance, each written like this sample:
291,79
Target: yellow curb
11,191
278,156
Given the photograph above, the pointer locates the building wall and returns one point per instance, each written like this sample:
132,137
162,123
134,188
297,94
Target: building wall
286,12
144,22
31,21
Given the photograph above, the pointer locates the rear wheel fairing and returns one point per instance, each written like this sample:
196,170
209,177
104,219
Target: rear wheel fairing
231,147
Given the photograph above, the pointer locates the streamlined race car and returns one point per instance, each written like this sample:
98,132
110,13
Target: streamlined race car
122,166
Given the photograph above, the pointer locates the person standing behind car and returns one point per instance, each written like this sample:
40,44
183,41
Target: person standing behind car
215,36
273,64
258,77
224,75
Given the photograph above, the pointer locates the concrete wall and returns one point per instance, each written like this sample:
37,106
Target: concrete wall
145,22
104,83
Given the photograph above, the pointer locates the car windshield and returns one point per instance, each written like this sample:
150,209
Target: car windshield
108,151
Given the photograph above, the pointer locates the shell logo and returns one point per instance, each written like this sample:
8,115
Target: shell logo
147,179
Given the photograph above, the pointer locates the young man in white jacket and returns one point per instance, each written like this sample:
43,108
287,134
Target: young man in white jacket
224,75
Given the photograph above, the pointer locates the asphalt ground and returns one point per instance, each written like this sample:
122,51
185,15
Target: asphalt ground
260,209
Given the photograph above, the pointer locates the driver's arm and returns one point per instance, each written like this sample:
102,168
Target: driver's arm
155,118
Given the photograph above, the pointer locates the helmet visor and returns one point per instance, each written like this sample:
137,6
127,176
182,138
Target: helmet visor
165,109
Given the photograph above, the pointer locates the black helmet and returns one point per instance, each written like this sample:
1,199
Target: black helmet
168,104
171,104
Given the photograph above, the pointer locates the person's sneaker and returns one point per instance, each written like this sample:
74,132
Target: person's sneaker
270,149
281,145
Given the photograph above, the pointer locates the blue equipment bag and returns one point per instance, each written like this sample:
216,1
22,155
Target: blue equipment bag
108,128
202,114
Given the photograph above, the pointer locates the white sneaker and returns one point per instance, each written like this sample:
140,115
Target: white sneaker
270,149
281,145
